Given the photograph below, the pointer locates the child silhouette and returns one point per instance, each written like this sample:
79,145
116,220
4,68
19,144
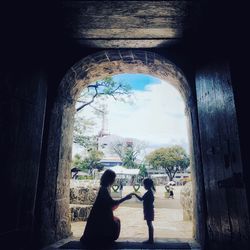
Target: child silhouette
148,207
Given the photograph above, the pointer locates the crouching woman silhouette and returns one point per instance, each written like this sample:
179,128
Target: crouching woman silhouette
102,227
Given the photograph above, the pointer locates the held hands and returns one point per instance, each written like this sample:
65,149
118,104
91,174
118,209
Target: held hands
137,196
129,196
134,194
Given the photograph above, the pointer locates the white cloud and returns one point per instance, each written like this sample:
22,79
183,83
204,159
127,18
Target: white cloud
157,116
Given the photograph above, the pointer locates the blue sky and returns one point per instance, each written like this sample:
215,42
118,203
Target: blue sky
137,81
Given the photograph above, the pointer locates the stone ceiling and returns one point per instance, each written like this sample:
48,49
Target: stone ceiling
127,24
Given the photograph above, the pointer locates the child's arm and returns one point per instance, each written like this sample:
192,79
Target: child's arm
138,197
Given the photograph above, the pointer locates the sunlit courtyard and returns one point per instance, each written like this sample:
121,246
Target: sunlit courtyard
168,221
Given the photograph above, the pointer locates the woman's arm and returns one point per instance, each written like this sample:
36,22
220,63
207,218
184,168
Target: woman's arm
109,200
127,197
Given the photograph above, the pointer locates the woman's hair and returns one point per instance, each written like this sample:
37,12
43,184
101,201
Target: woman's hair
107,178
148,183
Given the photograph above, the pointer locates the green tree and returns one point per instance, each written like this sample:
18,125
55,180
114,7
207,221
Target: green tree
94,96
81,127
92,161
143,171
129,158
79,163
171,159
103,88
128,152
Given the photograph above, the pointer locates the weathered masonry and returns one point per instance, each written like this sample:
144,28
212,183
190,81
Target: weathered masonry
50,52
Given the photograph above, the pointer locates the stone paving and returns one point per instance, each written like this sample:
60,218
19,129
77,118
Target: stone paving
168,221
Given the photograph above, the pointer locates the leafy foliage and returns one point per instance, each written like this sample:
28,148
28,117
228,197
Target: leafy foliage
143,171
171,159
85,177
104,88
79,163
90,162
128,152
81,126
94,92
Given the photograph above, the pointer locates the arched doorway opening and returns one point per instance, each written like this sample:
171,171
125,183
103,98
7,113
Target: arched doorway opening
121,135
56,223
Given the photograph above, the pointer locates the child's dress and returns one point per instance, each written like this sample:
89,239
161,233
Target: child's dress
148,205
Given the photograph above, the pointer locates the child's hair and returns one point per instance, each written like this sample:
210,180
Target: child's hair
107,178
149,183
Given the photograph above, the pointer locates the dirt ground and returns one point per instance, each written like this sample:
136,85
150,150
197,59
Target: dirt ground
168,221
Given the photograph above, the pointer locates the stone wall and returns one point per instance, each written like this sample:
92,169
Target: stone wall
186,199
82,196
80,212
22,109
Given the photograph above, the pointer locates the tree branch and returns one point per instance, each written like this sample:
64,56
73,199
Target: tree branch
87,103
175,172
114,97
168,172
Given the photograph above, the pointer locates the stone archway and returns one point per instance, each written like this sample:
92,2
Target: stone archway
55,211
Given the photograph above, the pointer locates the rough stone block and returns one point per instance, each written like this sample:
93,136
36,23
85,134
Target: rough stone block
186,199
80,212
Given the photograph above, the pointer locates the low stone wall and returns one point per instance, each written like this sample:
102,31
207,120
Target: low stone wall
83,192
82,196
186,199
80,212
